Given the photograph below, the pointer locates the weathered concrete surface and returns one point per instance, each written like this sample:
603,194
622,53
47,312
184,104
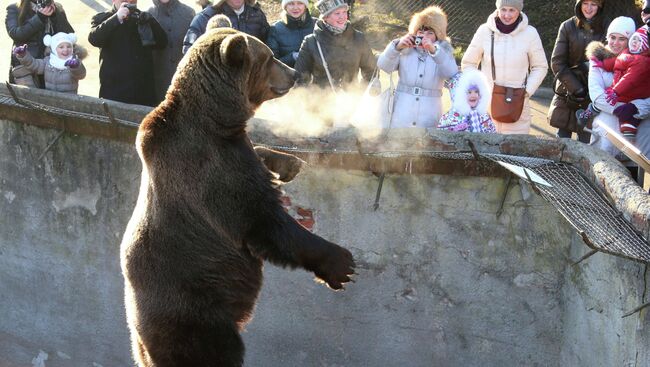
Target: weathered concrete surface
442,281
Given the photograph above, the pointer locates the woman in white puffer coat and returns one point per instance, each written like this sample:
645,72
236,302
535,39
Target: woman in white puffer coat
423,68
519,57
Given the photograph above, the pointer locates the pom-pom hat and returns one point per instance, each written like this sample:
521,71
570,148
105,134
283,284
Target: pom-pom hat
54,41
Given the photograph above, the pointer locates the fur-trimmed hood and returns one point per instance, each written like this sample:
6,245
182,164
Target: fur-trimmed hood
597,22
459,91
599,51
432,17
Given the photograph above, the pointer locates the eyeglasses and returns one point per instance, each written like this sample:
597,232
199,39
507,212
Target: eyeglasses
646,11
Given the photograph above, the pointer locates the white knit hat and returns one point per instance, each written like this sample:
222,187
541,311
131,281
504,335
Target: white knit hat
622,25
54,41
326,7
517,4
285,2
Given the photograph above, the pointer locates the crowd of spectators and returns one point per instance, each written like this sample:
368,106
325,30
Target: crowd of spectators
598,81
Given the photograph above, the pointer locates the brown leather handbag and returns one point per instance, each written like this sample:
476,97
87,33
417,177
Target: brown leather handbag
507,103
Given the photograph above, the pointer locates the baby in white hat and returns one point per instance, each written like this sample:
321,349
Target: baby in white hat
62,68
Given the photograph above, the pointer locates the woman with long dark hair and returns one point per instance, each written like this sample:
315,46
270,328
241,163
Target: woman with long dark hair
570,67
27,22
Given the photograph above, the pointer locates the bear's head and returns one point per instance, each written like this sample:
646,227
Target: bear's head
231,70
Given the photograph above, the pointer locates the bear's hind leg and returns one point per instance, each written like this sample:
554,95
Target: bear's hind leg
205,345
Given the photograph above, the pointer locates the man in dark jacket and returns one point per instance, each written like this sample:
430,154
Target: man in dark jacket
126,37
245,15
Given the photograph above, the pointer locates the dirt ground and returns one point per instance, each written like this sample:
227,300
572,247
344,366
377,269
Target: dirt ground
80,12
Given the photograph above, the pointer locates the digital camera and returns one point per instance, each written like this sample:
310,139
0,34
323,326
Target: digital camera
418,41
43,3
134,12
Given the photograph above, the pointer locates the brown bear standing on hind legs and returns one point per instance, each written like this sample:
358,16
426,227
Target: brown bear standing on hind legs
207,214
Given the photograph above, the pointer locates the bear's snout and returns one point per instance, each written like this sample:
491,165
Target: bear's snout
282,78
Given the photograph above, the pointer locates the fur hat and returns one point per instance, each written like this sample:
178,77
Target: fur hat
622,25
54,41
326,7
517,4
642,36
285,2
432,17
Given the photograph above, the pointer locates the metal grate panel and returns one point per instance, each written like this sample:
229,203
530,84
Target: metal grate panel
602,226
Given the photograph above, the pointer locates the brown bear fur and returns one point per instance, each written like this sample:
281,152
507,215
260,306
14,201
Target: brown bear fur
207,214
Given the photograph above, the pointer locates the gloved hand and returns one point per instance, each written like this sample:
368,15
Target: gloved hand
610,96
20,51
597,63
145,17
626,112
73,63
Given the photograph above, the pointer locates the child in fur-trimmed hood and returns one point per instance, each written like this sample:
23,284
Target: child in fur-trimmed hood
470,95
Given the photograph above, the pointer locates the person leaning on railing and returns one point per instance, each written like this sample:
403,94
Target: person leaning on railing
519,57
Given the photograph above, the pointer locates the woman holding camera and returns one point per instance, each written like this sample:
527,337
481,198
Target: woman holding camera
423,59
27,23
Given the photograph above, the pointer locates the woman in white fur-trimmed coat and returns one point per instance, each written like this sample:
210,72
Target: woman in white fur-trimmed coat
422,69
470,96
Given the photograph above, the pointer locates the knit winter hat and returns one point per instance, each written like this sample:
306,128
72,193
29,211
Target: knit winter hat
642,37
285,2
622,25
432,17
326,7
517,4
54,41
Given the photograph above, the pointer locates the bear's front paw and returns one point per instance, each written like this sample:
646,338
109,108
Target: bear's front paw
287,166
335,267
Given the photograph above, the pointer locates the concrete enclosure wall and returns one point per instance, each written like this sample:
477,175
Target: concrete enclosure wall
442,280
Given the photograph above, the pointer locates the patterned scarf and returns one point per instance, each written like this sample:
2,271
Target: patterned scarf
475,120
334,30
49,28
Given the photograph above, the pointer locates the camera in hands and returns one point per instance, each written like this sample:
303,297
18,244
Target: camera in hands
418,41
134,12
43,3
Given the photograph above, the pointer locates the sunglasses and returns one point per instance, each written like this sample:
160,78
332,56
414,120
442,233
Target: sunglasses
646,10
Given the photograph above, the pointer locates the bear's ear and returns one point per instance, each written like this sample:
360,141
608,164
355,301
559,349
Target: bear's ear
234,51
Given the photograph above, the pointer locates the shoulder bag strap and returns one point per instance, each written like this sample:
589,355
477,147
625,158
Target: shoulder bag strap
494,78
327,70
